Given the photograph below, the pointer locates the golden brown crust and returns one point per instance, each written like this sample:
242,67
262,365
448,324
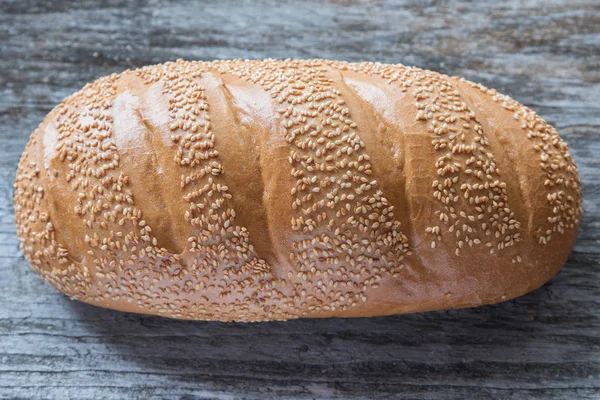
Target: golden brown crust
261,190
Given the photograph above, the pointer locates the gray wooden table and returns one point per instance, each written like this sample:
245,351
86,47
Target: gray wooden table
544,345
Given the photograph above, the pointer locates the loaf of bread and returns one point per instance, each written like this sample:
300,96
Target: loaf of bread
271,190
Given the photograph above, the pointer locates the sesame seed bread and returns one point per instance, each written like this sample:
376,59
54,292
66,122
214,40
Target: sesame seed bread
271,190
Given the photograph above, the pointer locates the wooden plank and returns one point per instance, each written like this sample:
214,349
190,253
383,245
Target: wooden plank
543,345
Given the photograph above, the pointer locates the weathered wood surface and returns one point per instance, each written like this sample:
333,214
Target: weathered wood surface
544,345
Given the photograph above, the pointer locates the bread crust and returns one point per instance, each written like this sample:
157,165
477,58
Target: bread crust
271,190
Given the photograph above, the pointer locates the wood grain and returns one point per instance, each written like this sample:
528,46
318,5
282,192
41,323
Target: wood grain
545,345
